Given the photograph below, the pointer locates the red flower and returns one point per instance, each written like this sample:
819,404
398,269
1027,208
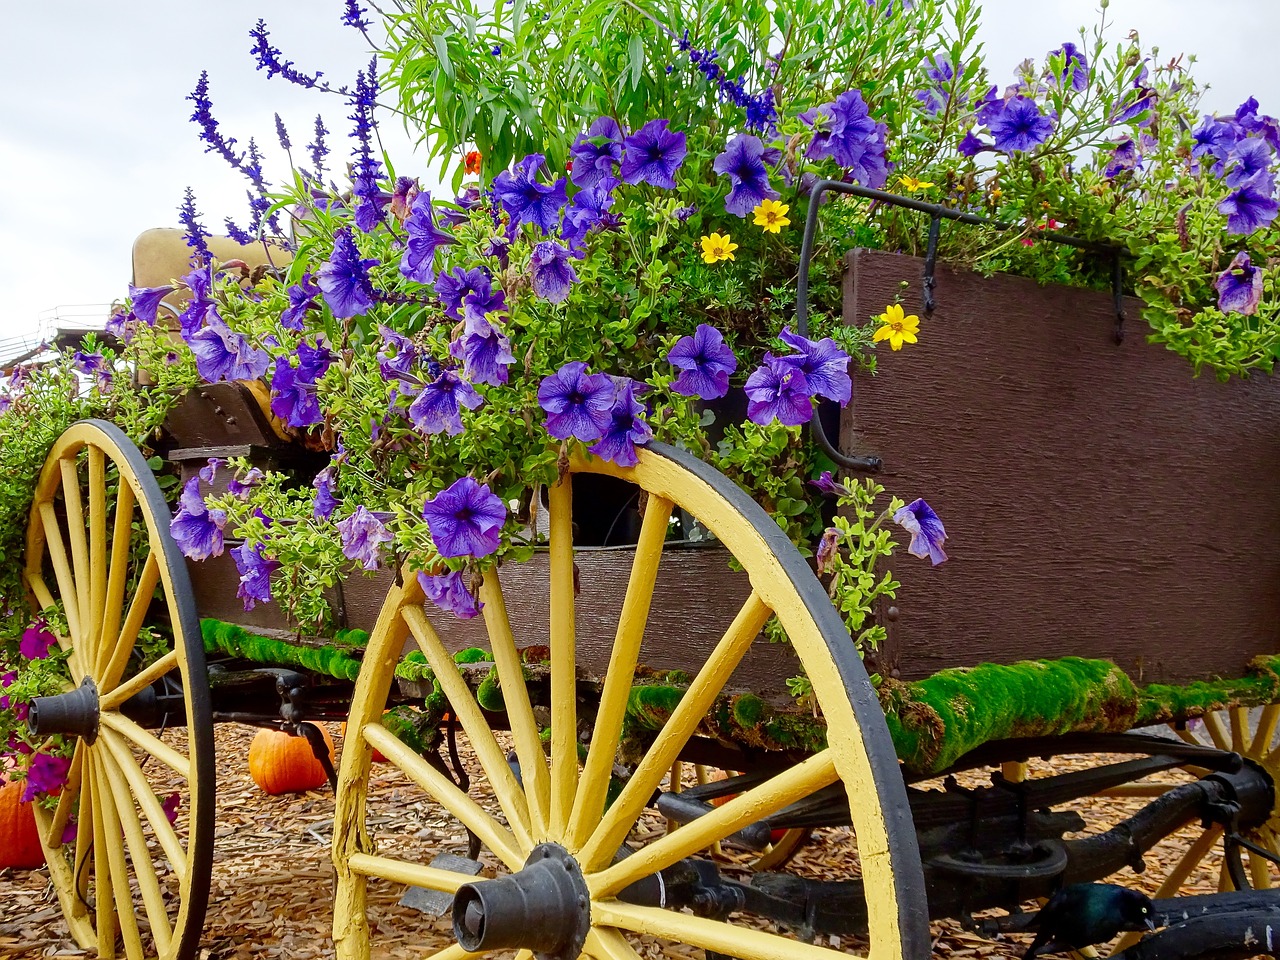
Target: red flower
473,161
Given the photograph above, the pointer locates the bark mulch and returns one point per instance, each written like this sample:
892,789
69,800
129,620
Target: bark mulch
272,889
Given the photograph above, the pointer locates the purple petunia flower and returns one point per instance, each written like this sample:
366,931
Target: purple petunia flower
303,296
344,279
941,73
45,775
438,408
927,534
293,399
528,201
1239,286
1124,157
222,354
577,403
239,486
1075,70
705,363
844,132
210,469
652,155
827,485
424,238
1020,126
449,592
325,501
255,574
362,537
196,529
589,211
824,365
1214,139
596,153
484,300
828,549
742,162
313,362
1249,157
398,355
484,350
146,301
553,275
777,390
1251,205
465,519
453,286
972,145
627,427
35,642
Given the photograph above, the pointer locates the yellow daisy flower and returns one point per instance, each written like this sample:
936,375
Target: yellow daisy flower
717,247
911,184
771,215
897,328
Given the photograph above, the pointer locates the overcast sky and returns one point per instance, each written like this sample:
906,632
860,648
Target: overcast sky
96,145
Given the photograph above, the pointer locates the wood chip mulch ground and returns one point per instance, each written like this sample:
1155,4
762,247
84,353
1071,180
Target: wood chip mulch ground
272,888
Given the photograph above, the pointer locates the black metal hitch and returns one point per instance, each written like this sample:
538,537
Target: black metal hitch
74,713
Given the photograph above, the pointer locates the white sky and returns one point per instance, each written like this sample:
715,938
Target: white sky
96,144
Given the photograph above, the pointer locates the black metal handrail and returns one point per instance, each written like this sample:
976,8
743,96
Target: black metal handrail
937,213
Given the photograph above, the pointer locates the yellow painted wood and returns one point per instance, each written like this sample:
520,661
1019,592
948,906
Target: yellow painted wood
84,846
111,838
515,695
141,603
747,807
617,821
151,807
781,851
74,507
67,798
152,744
350,835
606,943
734,940
1259,874
97,541
139,855
44,600
463,706
117,580
1239,727
115,697
62,572
564,678
588,805
412,874
1265,732
1213,726
103,882
447,794
1014,771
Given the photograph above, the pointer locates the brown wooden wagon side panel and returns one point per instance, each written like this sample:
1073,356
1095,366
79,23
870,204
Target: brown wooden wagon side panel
1100,500
696,597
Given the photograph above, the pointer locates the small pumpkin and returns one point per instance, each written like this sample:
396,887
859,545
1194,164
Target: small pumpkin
19,839
280,763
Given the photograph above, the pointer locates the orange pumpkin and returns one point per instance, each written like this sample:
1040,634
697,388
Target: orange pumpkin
280,763
377,755
19,841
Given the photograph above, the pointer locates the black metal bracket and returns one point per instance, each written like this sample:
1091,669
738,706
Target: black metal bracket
938,213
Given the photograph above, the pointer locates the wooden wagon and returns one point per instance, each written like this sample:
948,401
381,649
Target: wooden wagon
1113,522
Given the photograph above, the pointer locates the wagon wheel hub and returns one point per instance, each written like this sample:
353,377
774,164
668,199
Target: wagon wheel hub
545,908
75,712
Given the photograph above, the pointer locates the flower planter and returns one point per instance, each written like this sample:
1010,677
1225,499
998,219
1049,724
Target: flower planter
1084,484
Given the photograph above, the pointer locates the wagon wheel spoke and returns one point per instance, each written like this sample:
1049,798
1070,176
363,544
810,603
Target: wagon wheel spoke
135,880
564,813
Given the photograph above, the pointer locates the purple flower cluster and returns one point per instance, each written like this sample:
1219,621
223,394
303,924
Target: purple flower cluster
762,113
627,428
367,169
705,363
46,774
525,199
362,536
597,153
293,389
424,239
255,571
438,406
449,592
941,74
344,279
743,162
1240,286
272,60
223,354
844,132
653,155
304,296
36,641
783,387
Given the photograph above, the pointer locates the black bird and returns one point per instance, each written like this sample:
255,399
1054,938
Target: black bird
1087,913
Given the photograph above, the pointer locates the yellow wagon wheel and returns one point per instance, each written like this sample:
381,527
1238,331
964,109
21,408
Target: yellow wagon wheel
1250,733
130,842
555,827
